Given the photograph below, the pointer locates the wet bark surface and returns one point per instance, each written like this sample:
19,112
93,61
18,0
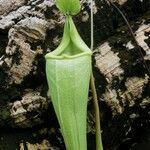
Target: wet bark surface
30,29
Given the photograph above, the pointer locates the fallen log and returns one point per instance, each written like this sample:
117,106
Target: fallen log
29,29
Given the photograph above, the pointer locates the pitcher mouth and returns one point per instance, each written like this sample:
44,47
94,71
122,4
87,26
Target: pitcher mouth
66,56
71,46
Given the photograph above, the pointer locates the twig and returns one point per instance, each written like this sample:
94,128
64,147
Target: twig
99,145
132,34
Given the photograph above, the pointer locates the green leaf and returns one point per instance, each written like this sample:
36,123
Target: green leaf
68,70
70,7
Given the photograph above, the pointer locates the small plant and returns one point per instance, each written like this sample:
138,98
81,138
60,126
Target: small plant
68,70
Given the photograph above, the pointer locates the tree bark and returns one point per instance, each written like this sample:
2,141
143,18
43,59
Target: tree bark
30,29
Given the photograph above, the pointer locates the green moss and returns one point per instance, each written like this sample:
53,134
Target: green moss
4,113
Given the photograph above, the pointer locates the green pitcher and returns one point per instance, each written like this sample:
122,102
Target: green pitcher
68,70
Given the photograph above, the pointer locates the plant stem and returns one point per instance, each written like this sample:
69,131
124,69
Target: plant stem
99,145
92,27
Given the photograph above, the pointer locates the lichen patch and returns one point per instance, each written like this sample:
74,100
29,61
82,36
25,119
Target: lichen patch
108,62
141,37
29,30
31,102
